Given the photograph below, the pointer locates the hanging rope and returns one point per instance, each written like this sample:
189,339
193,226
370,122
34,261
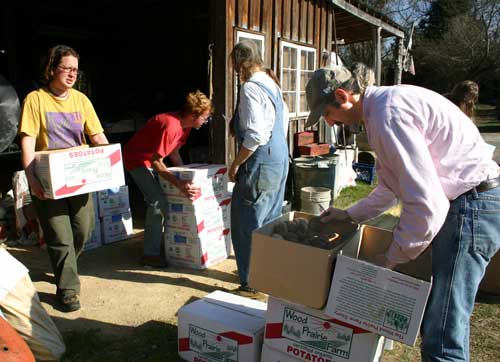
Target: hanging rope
210,70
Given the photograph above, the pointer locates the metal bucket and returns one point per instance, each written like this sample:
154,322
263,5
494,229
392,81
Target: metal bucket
315,200
317,172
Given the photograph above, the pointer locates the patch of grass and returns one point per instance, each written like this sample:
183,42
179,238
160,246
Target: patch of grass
350,195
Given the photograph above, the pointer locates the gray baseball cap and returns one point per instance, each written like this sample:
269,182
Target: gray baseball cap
320,87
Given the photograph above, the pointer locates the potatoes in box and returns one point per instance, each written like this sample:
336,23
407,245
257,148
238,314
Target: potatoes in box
292,270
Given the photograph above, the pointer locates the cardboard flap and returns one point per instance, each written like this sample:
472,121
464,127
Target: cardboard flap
237,303
376,241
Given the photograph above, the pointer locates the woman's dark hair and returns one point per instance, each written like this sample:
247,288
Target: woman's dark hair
465,95
54,59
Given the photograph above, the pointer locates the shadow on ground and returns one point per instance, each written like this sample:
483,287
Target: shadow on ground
95,341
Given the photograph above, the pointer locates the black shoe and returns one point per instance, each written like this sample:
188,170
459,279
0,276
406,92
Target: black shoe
155,261
70,303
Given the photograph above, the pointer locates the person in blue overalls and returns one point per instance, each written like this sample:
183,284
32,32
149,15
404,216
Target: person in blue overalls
260,167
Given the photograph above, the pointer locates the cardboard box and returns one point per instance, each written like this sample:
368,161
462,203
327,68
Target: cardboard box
303,138
305,334
315,149
210,178
112,203
79,170
116,227
221,327
95,240
198,255
199,215
289,270
380,300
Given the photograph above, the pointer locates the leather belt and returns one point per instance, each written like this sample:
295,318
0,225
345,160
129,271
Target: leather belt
492,183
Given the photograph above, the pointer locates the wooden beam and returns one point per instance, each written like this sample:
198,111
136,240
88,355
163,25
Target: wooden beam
355,11
377,55
254,15
223,13
242,13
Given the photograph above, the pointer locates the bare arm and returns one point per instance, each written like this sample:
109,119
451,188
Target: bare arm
28,162
99,139
243,155
175,157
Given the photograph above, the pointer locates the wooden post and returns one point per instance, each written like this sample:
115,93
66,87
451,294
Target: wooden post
377,54
399,62
220,29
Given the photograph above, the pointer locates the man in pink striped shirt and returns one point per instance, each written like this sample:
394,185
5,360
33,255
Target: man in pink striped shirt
432,159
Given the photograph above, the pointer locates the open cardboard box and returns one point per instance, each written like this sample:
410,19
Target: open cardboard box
290,270
386,302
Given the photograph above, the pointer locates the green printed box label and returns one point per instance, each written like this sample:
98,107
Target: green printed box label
87,172
212,345
320,334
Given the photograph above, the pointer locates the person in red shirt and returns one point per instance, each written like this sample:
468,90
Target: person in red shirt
162,136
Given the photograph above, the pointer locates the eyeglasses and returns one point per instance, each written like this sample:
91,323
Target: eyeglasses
206,119
68,69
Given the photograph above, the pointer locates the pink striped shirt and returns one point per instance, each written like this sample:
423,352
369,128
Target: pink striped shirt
428,152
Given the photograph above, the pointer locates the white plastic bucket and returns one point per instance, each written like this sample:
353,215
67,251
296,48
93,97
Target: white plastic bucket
315,200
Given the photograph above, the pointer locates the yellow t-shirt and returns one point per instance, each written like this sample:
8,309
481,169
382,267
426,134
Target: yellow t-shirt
57,123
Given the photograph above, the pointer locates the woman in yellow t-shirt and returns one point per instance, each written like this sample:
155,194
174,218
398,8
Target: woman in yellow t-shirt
56,116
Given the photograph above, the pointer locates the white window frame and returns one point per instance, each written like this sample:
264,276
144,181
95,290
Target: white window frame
247,35
299,48
241,35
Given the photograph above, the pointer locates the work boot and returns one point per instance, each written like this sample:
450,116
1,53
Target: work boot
70,303
247,292
155,261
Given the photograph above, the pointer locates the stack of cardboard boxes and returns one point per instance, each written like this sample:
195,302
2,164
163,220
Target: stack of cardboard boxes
113,220
324,304
197,232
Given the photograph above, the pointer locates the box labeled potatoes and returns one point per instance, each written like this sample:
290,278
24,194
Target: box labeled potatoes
221,327
298,333
79,170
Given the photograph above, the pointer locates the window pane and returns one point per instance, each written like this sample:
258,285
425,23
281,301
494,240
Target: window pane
286,57
285,82
293,54
310,61
290,101
292,85
303,59
304,78
303,102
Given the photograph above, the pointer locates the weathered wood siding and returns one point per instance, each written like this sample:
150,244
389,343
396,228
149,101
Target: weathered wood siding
305,22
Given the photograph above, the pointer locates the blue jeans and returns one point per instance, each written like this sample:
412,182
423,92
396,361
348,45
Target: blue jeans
147,181
257,199
461,252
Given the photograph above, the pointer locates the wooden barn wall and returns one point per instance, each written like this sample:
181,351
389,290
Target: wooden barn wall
305,22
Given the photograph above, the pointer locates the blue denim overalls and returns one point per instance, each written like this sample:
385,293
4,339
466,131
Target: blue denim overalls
260,186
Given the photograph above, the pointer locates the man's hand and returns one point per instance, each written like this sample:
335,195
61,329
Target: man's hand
334,214
188,188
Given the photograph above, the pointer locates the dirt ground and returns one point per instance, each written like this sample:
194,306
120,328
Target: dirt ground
117,293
